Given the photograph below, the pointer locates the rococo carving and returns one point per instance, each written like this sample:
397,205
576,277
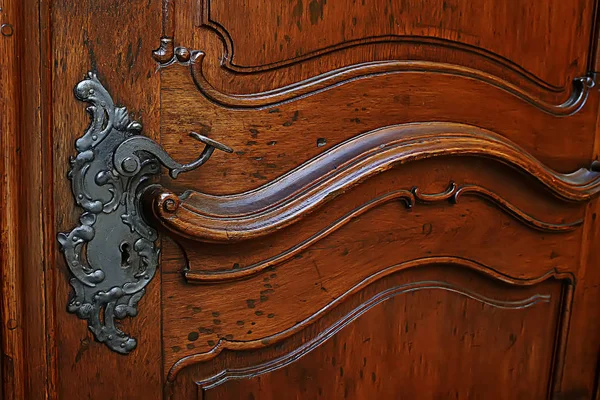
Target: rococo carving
111,253
167,54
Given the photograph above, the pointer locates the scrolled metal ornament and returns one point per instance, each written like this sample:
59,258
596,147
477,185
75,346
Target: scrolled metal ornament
111,253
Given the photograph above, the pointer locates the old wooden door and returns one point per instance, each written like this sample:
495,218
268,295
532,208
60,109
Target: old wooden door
379,199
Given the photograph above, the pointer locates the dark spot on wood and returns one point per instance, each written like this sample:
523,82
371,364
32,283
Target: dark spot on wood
254,133
211,342
249,333
228,337
259,313
84,345
512,338
258,175
273,276
373,377
341,371
553,255
217,321
190,346
272,143
215,314
236,265
356,120
251,303
367,340
274,110
205,129
333,361
175,349
426,229
196,310
321,142
206,331
193,336
315,10
271,315
253,323
250,143
268,285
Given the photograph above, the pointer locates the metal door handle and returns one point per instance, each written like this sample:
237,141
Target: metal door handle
111,253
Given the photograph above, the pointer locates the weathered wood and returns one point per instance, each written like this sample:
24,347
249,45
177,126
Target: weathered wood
410,209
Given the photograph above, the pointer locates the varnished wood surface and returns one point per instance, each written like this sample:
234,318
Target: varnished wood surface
12,311
385,334
297,41
111,37
291,197
494,295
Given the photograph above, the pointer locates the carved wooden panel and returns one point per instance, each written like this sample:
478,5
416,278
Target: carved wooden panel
300,48
295,31
396,334
410,207
367,151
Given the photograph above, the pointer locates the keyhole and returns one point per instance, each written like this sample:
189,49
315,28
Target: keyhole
124,247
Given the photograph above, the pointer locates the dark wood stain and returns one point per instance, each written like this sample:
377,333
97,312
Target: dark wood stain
286,274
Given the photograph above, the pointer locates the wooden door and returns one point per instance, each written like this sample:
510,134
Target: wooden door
380,199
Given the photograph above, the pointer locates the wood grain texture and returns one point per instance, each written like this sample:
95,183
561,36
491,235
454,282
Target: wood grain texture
291,197
313,279
12,314
299,48
112,38
278,298
167,55
225,344
380,332
409,197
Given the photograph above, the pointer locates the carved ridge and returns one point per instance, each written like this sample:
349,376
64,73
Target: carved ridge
296,194
410,198
167,55
224,344
306,348
203,19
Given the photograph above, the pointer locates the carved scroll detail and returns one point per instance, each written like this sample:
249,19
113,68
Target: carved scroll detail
224,344
408,197
111,253
167,54
295,195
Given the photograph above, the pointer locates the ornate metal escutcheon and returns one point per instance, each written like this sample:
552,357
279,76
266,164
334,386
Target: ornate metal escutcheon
111,253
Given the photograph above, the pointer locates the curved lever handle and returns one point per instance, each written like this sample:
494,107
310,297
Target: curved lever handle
128,163
111,253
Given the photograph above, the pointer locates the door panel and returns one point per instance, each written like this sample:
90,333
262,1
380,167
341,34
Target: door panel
407,335
372,199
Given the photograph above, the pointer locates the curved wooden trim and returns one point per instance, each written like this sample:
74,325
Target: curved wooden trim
296,194
167,54
204,20
225,344
306,348
408,197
